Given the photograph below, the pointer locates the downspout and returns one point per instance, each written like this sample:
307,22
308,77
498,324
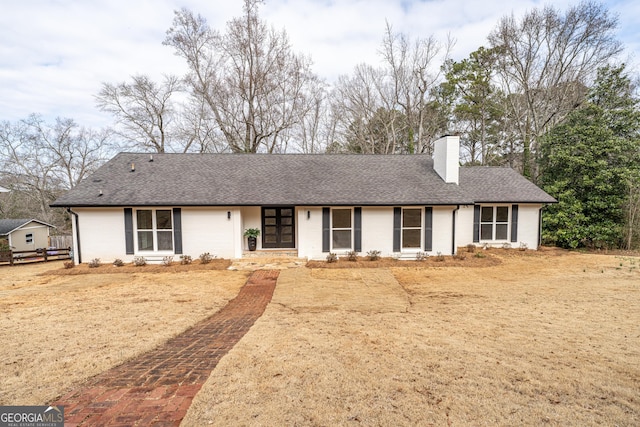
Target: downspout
540,227
77,234
453,231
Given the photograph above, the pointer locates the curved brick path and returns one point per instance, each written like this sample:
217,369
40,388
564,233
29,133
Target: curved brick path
156,388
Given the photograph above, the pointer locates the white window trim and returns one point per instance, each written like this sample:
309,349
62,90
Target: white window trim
421,228
332,229
494,223
154,229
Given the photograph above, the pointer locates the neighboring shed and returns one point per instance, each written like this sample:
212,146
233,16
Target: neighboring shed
25,234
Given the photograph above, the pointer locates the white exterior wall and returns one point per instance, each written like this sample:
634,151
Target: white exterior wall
528,223
211,230
442,230
377,230
101,234
309,232
528,226
464,226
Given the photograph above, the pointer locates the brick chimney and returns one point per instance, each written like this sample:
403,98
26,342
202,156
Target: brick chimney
446,158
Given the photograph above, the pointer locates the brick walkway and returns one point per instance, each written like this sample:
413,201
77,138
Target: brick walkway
156,388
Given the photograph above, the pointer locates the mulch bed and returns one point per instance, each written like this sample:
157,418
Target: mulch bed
462,259
176,267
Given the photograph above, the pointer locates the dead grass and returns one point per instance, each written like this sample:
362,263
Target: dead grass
534,338
58,330
546,338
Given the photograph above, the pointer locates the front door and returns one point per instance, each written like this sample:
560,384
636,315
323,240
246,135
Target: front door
278,227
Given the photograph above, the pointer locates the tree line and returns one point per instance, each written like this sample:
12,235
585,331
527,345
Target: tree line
248,91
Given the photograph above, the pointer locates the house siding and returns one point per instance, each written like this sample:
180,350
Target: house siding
102,234
527,234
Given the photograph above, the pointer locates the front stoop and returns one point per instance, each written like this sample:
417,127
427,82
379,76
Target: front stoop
270,253
269,260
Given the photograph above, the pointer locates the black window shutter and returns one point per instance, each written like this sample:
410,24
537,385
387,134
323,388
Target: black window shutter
326,229
128,230
357,229
428,228
514,223
476,223
177,230
397,228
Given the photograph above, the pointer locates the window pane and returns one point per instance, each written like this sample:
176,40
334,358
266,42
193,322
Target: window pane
341,218
412,218
486,231
165,241
269,221
501,231
144,220
269,212
286,238
145,240
411,238
286,220
163,220
502,214
286,212
487,214
342,239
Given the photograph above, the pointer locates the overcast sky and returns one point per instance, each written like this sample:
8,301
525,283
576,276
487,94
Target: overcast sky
54,54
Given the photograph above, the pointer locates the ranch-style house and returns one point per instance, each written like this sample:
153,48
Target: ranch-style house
155,205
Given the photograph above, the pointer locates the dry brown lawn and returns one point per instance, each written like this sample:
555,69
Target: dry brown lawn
548,338
521,338
58,329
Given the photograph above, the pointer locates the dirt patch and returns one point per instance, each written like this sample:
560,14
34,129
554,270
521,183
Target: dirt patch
541,338
58,330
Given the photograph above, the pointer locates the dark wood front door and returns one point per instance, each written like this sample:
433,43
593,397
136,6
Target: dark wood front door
278,227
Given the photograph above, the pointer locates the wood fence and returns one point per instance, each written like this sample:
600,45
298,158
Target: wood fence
38,255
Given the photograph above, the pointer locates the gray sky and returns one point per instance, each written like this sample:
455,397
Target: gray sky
54,54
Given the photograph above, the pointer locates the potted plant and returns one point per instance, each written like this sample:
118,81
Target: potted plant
252,237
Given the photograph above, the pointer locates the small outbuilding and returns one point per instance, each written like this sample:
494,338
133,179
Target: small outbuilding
25,234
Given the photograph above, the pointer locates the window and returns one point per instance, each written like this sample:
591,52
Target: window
411,228
494,223
29,239
155,232
341,228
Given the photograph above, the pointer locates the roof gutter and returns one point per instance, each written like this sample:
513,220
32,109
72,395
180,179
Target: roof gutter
77,227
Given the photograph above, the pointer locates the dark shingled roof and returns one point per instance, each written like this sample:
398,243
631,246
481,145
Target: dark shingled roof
9,225
500,185
288,179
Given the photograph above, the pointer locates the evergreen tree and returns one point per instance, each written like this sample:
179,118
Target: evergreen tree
590,162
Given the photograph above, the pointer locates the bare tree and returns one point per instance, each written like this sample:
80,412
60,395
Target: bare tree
414,70
144,112
394,108
546,61
256,88
39,160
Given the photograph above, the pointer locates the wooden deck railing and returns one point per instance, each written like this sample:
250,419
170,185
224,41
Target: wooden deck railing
37,255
